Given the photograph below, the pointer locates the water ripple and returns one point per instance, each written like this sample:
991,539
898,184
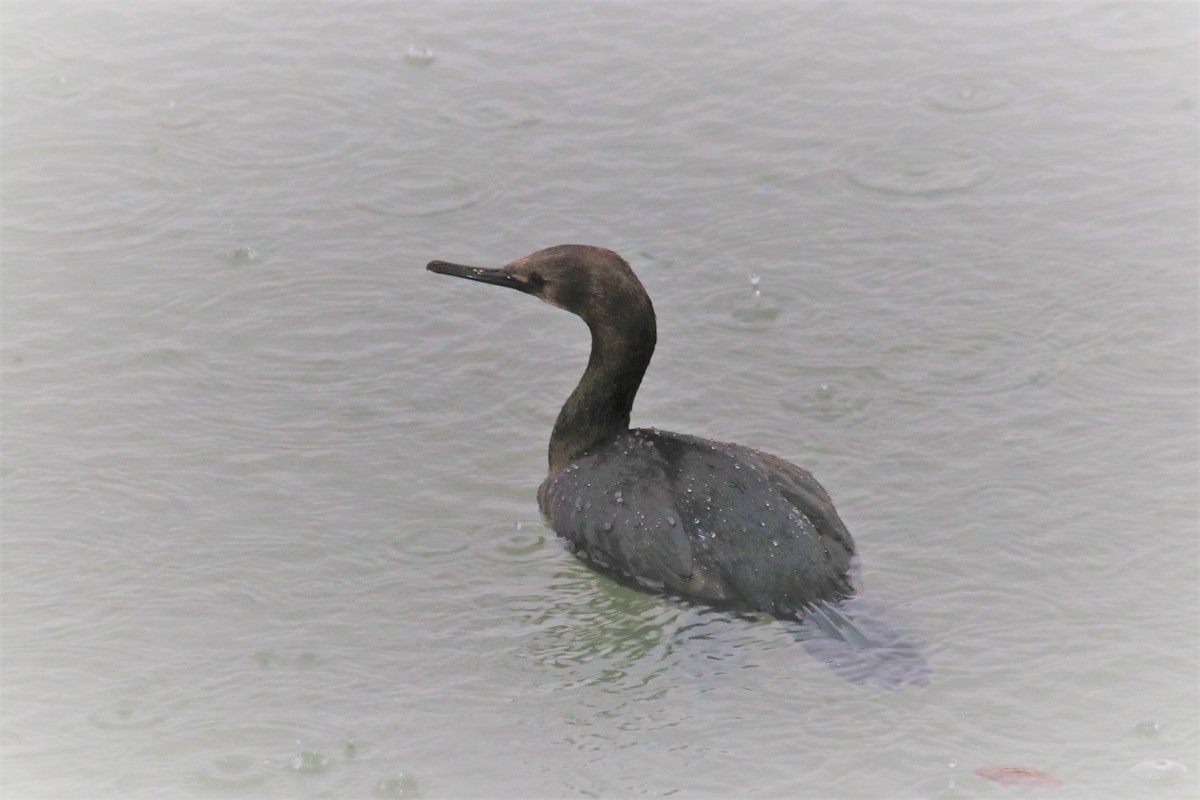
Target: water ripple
423,191
920,171
433,540
223,132
1159,769
174,115
233,772
115,188
521,545
956,93
740,307
1129,28
261,756
127,715
69,85
490,111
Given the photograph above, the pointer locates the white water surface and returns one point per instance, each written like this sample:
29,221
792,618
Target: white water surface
269,525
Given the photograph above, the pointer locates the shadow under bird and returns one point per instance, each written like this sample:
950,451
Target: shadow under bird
710,521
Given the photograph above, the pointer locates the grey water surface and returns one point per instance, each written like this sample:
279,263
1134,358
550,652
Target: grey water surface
269,525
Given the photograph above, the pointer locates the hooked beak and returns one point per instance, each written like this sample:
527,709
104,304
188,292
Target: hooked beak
499,277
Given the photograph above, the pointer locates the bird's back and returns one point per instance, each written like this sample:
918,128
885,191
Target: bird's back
708,520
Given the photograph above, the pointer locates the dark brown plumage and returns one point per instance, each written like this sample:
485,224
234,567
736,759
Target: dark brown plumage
707,520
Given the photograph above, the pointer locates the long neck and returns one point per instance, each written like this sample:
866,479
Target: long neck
598,409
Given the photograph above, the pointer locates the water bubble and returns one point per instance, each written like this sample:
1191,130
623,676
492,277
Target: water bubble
1160,769
670,520
235,772
607,525
310,762
173,115
970,95
579,504
359,749
1148,728
618,497
420,56
400,786
267,659
127,716
756,309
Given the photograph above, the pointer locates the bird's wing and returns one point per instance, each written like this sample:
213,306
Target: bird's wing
804,492
619,514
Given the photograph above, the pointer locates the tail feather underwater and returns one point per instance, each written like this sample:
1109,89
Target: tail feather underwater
856,642
835,624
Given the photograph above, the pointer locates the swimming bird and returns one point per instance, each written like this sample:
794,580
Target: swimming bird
710,521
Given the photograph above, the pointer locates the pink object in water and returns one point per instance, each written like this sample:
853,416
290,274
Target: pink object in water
1018,776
